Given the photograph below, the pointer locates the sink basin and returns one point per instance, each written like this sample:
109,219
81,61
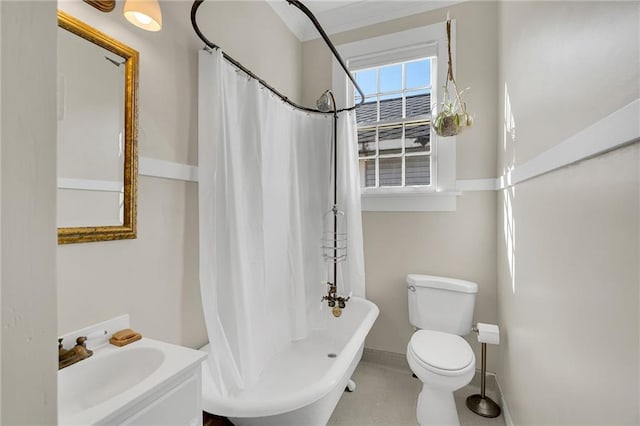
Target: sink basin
99,389
96,380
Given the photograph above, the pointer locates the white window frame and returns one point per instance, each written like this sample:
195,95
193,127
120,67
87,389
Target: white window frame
376,62
403,46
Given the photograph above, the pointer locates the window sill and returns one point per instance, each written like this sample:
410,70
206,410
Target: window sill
409,201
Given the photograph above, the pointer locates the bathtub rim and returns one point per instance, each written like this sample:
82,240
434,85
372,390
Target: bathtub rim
232,407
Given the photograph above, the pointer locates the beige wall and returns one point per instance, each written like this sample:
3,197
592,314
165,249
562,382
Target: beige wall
28,243
459,244
154,278
568,301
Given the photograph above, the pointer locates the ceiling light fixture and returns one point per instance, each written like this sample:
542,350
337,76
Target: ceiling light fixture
144,14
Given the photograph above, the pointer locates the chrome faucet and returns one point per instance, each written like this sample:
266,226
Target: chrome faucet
67,357
332,297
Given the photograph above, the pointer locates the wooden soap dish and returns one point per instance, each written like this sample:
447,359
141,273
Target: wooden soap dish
124,337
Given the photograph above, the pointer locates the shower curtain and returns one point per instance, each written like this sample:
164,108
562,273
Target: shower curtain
264,179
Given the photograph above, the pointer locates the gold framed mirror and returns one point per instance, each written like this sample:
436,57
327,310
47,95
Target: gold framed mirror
102,5
97,135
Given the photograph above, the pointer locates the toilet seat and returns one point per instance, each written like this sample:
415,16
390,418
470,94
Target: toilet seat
441,353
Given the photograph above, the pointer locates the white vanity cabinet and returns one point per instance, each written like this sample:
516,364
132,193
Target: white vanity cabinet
146,382
179,402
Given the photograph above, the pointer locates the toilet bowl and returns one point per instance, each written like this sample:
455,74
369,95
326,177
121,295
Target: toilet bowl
442,310
444,363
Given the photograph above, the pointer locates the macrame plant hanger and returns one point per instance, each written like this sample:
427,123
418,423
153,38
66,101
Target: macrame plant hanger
453,117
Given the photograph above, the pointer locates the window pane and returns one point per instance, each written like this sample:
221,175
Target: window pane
398,152
366,142
418,74
391,171
391,106
391,78
417,137
418,102
368,111
367,173
417,170
390,139
367,81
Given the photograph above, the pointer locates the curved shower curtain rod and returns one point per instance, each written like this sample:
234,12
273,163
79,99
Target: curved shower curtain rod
325,37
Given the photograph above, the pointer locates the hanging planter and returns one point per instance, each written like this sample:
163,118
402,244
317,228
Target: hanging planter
453,117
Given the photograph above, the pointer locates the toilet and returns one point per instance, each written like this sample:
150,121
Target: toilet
441,309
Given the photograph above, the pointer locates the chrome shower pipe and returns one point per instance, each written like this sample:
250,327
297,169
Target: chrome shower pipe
326,106
327,103
323,34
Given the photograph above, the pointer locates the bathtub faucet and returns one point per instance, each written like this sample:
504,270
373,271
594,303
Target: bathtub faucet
332,297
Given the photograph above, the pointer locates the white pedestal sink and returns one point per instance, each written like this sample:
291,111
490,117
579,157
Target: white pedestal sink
145,382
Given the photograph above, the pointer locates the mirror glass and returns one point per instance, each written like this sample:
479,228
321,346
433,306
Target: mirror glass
97,87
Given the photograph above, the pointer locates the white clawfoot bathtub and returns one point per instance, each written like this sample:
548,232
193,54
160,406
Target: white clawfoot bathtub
303,384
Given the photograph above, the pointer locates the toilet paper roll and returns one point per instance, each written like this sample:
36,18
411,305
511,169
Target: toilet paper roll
488,333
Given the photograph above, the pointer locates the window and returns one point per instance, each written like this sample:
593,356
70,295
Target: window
394,132
403,165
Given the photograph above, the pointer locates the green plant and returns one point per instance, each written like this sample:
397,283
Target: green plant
453,116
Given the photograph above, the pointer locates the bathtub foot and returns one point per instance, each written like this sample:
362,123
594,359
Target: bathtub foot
351,386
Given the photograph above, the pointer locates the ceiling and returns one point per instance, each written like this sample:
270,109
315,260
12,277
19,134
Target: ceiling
342,15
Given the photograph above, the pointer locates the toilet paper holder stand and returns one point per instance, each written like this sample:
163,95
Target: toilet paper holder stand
481,404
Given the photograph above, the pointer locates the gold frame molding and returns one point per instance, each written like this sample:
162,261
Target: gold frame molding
128,229
102,5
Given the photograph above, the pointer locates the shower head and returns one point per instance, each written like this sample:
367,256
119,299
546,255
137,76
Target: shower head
326,102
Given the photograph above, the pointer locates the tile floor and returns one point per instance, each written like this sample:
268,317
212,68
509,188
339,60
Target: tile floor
386,396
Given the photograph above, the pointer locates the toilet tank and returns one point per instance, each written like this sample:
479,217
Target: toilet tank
441,304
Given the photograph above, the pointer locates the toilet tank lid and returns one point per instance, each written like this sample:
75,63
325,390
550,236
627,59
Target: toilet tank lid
443,283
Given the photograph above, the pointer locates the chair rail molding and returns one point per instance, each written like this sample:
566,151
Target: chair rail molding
617,130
